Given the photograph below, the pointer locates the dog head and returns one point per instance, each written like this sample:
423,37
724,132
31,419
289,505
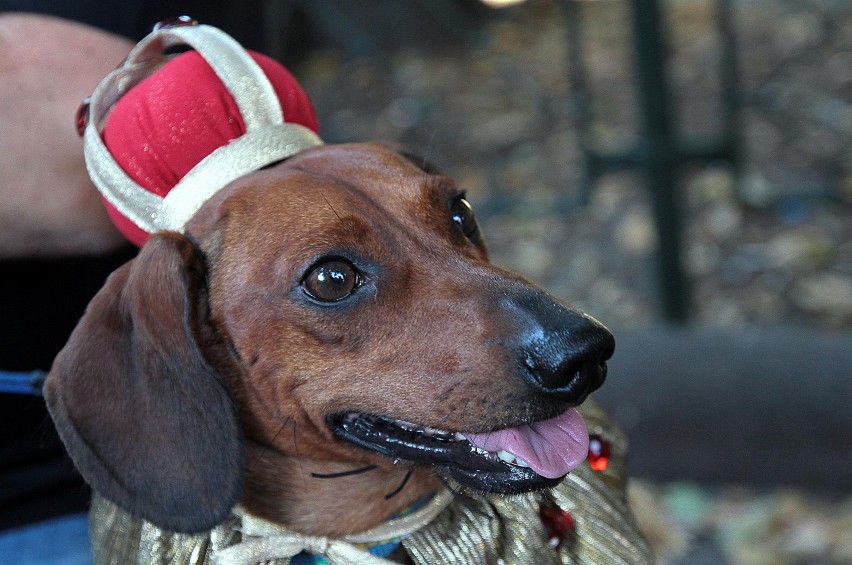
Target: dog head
346,293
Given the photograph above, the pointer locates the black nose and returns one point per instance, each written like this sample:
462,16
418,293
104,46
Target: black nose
565,356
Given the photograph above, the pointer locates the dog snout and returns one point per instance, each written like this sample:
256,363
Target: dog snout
568,365
563,354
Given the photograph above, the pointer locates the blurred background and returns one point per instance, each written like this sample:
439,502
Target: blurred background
680,170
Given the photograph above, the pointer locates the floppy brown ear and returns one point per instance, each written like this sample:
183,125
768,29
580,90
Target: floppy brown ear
148,422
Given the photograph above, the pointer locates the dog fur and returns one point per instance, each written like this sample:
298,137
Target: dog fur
205,374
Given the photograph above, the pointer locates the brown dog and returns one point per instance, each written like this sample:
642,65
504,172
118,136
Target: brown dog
326,345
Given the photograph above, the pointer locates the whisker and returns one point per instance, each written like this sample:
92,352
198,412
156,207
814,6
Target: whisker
446,483
400,487
281,429
268,446
330,206
429,146
464,499
298,457
343,473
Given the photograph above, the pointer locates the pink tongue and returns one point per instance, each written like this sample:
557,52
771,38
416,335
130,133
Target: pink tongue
552,448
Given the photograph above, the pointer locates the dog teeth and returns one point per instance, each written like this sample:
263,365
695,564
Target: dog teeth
507,457
407,426
502,455
425,430
436,433
443,435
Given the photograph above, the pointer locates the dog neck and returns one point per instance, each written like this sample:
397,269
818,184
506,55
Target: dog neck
287,490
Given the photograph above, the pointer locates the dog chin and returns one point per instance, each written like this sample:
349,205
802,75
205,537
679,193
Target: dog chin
507,480
484,462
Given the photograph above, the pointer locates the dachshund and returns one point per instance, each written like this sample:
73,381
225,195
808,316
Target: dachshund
325,345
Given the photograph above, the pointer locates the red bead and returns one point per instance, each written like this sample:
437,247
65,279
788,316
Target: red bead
598,453
558,524
82,118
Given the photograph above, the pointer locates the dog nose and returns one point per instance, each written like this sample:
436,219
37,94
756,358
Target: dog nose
565,357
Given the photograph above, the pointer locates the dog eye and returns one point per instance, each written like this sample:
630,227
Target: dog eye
331,281
463,217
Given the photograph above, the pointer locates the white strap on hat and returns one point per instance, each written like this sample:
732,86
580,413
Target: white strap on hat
268,137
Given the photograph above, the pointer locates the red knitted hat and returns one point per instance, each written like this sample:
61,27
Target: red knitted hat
196,120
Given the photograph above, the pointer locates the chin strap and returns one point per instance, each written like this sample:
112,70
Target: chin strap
264,540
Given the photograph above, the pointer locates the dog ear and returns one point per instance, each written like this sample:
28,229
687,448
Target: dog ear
147,420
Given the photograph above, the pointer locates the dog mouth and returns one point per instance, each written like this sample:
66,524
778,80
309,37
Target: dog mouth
505,461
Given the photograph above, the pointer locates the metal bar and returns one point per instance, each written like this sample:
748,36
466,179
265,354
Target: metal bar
659,155
662,153
579,94
731,96
702,153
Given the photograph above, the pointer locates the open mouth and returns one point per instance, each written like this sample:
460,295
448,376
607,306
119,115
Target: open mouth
506,461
